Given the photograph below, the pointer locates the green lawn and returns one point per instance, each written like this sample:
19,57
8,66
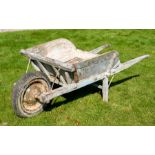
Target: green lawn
131,95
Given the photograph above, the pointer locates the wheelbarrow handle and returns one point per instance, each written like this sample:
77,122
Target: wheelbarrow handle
97,50
126,65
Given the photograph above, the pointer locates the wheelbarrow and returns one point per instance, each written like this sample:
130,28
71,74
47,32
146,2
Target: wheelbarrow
61,68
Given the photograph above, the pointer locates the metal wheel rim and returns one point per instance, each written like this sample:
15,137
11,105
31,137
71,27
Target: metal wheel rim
28,99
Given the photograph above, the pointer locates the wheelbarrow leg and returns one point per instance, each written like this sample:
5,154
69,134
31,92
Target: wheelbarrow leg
105,89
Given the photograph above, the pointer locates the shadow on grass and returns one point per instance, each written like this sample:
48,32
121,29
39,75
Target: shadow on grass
90,89
123,80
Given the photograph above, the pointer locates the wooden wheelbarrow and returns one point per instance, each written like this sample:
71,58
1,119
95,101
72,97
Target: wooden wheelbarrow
62,68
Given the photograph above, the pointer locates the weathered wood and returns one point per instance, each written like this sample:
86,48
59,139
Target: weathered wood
100,64
62,80
100,58
57,73
46,97
68,78
43,69
33,63
55,80
97,50
105,89
52,62
127,64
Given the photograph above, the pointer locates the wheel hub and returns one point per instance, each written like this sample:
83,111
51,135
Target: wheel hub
35,89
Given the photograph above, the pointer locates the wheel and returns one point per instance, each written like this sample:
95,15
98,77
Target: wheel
25,91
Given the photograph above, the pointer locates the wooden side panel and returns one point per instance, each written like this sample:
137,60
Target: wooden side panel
98,65
49,61
100,58
82,70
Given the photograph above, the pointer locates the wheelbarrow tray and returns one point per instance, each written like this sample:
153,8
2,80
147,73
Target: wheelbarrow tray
73,64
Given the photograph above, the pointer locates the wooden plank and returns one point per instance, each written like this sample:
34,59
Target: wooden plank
52,79
68,78
34,65
97,50
43,69
127,64
46,97
101,58
98,65
52,62
62,80
57,73
105,89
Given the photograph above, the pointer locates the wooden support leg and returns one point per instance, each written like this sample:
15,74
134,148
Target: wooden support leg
105,89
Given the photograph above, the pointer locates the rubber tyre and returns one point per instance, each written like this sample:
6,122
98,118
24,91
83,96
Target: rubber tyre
21,88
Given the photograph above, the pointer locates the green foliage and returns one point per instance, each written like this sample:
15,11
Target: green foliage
131,95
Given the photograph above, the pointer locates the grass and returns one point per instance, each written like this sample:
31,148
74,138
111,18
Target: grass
132,92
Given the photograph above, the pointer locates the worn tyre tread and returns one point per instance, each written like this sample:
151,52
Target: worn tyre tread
19,88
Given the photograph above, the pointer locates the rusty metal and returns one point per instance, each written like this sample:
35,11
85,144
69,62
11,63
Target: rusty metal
76,78
29,99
